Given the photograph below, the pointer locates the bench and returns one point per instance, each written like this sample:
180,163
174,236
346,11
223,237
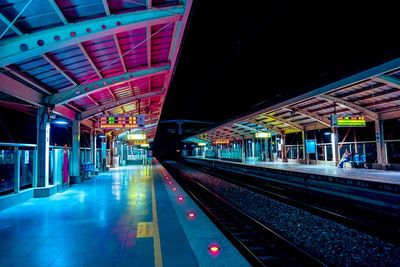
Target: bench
86,168
357,162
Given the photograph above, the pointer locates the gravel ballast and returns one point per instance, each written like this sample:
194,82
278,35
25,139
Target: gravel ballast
331,242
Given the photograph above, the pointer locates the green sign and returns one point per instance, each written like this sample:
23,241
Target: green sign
350,121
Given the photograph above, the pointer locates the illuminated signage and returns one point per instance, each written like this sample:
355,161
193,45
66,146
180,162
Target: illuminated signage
113,122
136,136
202,144
221,141
263,135
139,142
348,121
144,145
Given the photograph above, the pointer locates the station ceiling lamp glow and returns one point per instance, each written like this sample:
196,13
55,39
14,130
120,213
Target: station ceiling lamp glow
60,122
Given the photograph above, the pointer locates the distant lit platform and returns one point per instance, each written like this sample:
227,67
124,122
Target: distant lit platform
130,216
381,176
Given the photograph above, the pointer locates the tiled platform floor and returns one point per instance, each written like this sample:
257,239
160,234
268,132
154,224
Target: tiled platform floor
97,224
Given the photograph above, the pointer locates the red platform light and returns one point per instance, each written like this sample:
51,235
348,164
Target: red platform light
180,198
170,182
214,249
173,188
191,214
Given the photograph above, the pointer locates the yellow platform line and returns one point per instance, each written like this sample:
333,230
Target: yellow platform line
157,244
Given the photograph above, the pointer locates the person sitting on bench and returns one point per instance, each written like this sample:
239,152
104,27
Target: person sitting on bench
345,158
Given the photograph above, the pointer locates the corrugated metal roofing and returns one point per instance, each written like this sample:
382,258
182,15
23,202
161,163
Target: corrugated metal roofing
128,53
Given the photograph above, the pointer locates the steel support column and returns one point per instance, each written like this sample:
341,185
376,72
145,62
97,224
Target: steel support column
17,171
283,147
335,145
380,142
243,150
303,142
43,141
94,150
75,157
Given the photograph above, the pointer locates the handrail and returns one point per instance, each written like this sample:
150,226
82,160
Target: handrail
17,144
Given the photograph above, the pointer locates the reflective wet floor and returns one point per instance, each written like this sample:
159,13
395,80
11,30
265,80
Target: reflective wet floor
111,220
90,224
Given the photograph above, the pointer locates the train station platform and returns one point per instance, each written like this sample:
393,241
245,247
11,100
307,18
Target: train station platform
367,175
129,216
375,189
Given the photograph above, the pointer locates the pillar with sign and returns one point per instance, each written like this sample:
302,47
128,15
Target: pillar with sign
380,143
43,141
75,156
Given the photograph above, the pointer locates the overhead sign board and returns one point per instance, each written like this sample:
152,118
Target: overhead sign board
202,144
221,141
311,145
136,136
114,122
348,121
263,135
139,142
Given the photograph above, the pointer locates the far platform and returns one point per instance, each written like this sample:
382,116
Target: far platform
373,175
373,188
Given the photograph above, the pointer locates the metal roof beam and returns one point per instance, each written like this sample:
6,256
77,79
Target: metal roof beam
121,57
288,122
237,131
116,103
52,63
26,78
245,127
89,59
94,101
65,112
388,80
312,115
58,11
19,90
372,115
111,93
265,125
12,27
148,44
85,89
106,7
27,46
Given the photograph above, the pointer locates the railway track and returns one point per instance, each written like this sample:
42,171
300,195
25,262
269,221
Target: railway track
381,225
258,243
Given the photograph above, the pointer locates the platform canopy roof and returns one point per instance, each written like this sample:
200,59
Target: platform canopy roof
374,94
82,58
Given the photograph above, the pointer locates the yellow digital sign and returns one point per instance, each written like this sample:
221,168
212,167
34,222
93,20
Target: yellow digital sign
351,121
113,122
263,135
202,144
136,136
221,141
139,142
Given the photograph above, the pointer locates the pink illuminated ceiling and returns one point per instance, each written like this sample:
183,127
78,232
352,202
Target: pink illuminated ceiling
90,57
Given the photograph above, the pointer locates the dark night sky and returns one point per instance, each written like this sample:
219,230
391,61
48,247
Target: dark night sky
238,54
